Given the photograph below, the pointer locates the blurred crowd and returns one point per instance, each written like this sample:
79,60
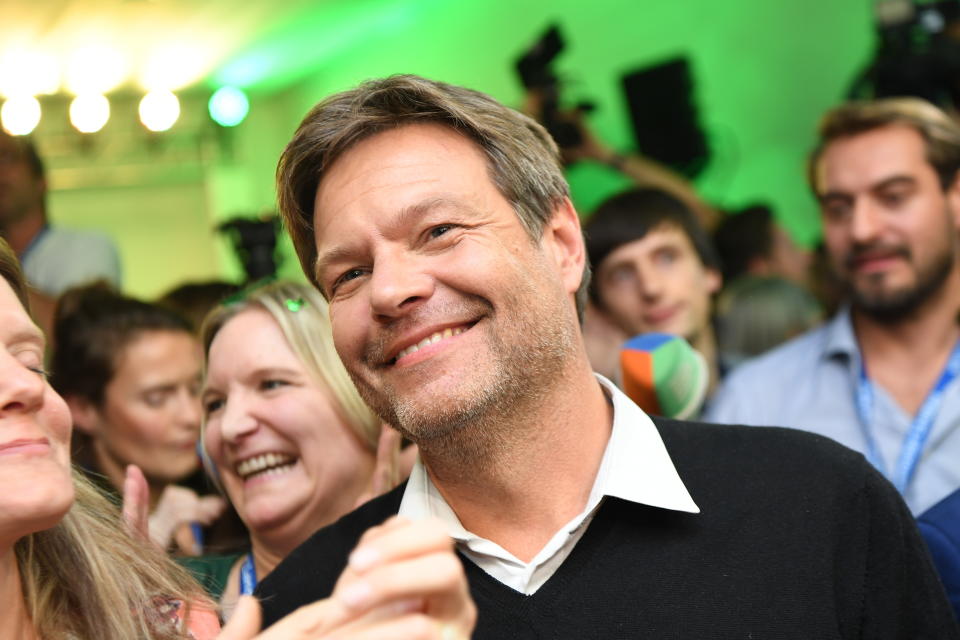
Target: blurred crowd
219,426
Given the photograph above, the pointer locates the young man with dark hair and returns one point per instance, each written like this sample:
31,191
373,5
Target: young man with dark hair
654,270
437,223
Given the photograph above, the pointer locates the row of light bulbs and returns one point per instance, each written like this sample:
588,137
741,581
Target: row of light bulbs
89,112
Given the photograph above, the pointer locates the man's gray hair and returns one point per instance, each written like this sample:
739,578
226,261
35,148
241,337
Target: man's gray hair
523,159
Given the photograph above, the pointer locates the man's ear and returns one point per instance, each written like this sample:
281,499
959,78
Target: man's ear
953,199
86,416
714,281
563,236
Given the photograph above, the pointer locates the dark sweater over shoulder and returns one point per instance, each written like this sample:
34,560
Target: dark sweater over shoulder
798,537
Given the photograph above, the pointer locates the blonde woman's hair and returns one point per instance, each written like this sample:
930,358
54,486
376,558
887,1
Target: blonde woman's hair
301,313
87,577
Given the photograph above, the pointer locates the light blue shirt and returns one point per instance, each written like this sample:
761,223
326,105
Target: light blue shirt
810,383
63,258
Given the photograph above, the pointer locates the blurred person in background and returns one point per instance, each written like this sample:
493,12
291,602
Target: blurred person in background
764,301
750,242
882,376
286,434
130,373
54,259
194,300
757,313
654,271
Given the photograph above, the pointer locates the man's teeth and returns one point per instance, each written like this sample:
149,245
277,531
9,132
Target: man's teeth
434,337
264,463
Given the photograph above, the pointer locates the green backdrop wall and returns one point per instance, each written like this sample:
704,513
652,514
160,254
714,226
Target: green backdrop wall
764,71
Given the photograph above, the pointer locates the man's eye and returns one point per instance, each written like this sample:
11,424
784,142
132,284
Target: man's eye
893,199
666,256
835,210
439,230
347,276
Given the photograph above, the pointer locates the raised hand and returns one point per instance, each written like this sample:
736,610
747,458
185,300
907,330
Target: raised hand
177,508
136,502
403,581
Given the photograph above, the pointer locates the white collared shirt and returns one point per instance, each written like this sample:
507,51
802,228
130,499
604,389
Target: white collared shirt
635,467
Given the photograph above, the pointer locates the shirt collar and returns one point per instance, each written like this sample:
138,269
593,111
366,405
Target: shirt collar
840,339
635,467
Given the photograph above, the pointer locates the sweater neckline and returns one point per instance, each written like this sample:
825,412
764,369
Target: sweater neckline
593,538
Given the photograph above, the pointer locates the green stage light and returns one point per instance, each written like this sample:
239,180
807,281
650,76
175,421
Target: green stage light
228,106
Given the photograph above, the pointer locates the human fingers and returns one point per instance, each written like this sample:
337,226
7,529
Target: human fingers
437,579
176,506
397,539
414,626
310,622
209,508
136,501
244,624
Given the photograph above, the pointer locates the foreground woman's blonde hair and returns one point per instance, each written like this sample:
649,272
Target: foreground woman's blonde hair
87,578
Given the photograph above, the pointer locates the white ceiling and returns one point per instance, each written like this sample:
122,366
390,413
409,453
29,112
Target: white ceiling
189,37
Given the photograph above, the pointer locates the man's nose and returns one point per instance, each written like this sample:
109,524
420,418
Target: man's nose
649,281
866,222
398,284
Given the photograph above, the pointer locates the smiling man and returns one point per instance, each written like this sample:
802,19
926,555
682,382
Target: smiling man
881,377
438,224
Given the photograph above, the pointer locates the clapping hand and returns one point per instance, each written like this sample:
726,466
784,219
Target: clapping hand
403,581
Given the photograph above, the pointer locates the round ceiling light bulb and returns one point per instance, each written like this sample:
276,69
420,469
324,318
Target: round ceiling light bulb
89,112
20,115
159,110
228,106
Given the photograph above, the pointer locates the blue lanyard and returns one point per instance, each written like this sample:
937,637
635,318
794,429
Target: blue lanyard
920,427
248,576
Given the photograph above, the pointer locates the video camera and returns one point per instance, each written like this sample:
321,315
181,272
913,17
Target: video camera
918,52
536,75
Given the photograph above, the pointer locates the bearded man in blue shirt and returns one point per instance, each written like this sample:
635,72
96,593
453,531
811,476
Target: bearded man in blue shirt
881,376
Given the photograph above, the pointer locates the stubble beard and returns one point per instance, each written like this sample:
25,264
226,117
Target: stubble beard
891,306
474,423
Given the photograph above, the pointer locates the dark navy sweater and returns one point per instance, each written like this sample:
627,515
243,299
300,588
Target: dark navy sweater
798,537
